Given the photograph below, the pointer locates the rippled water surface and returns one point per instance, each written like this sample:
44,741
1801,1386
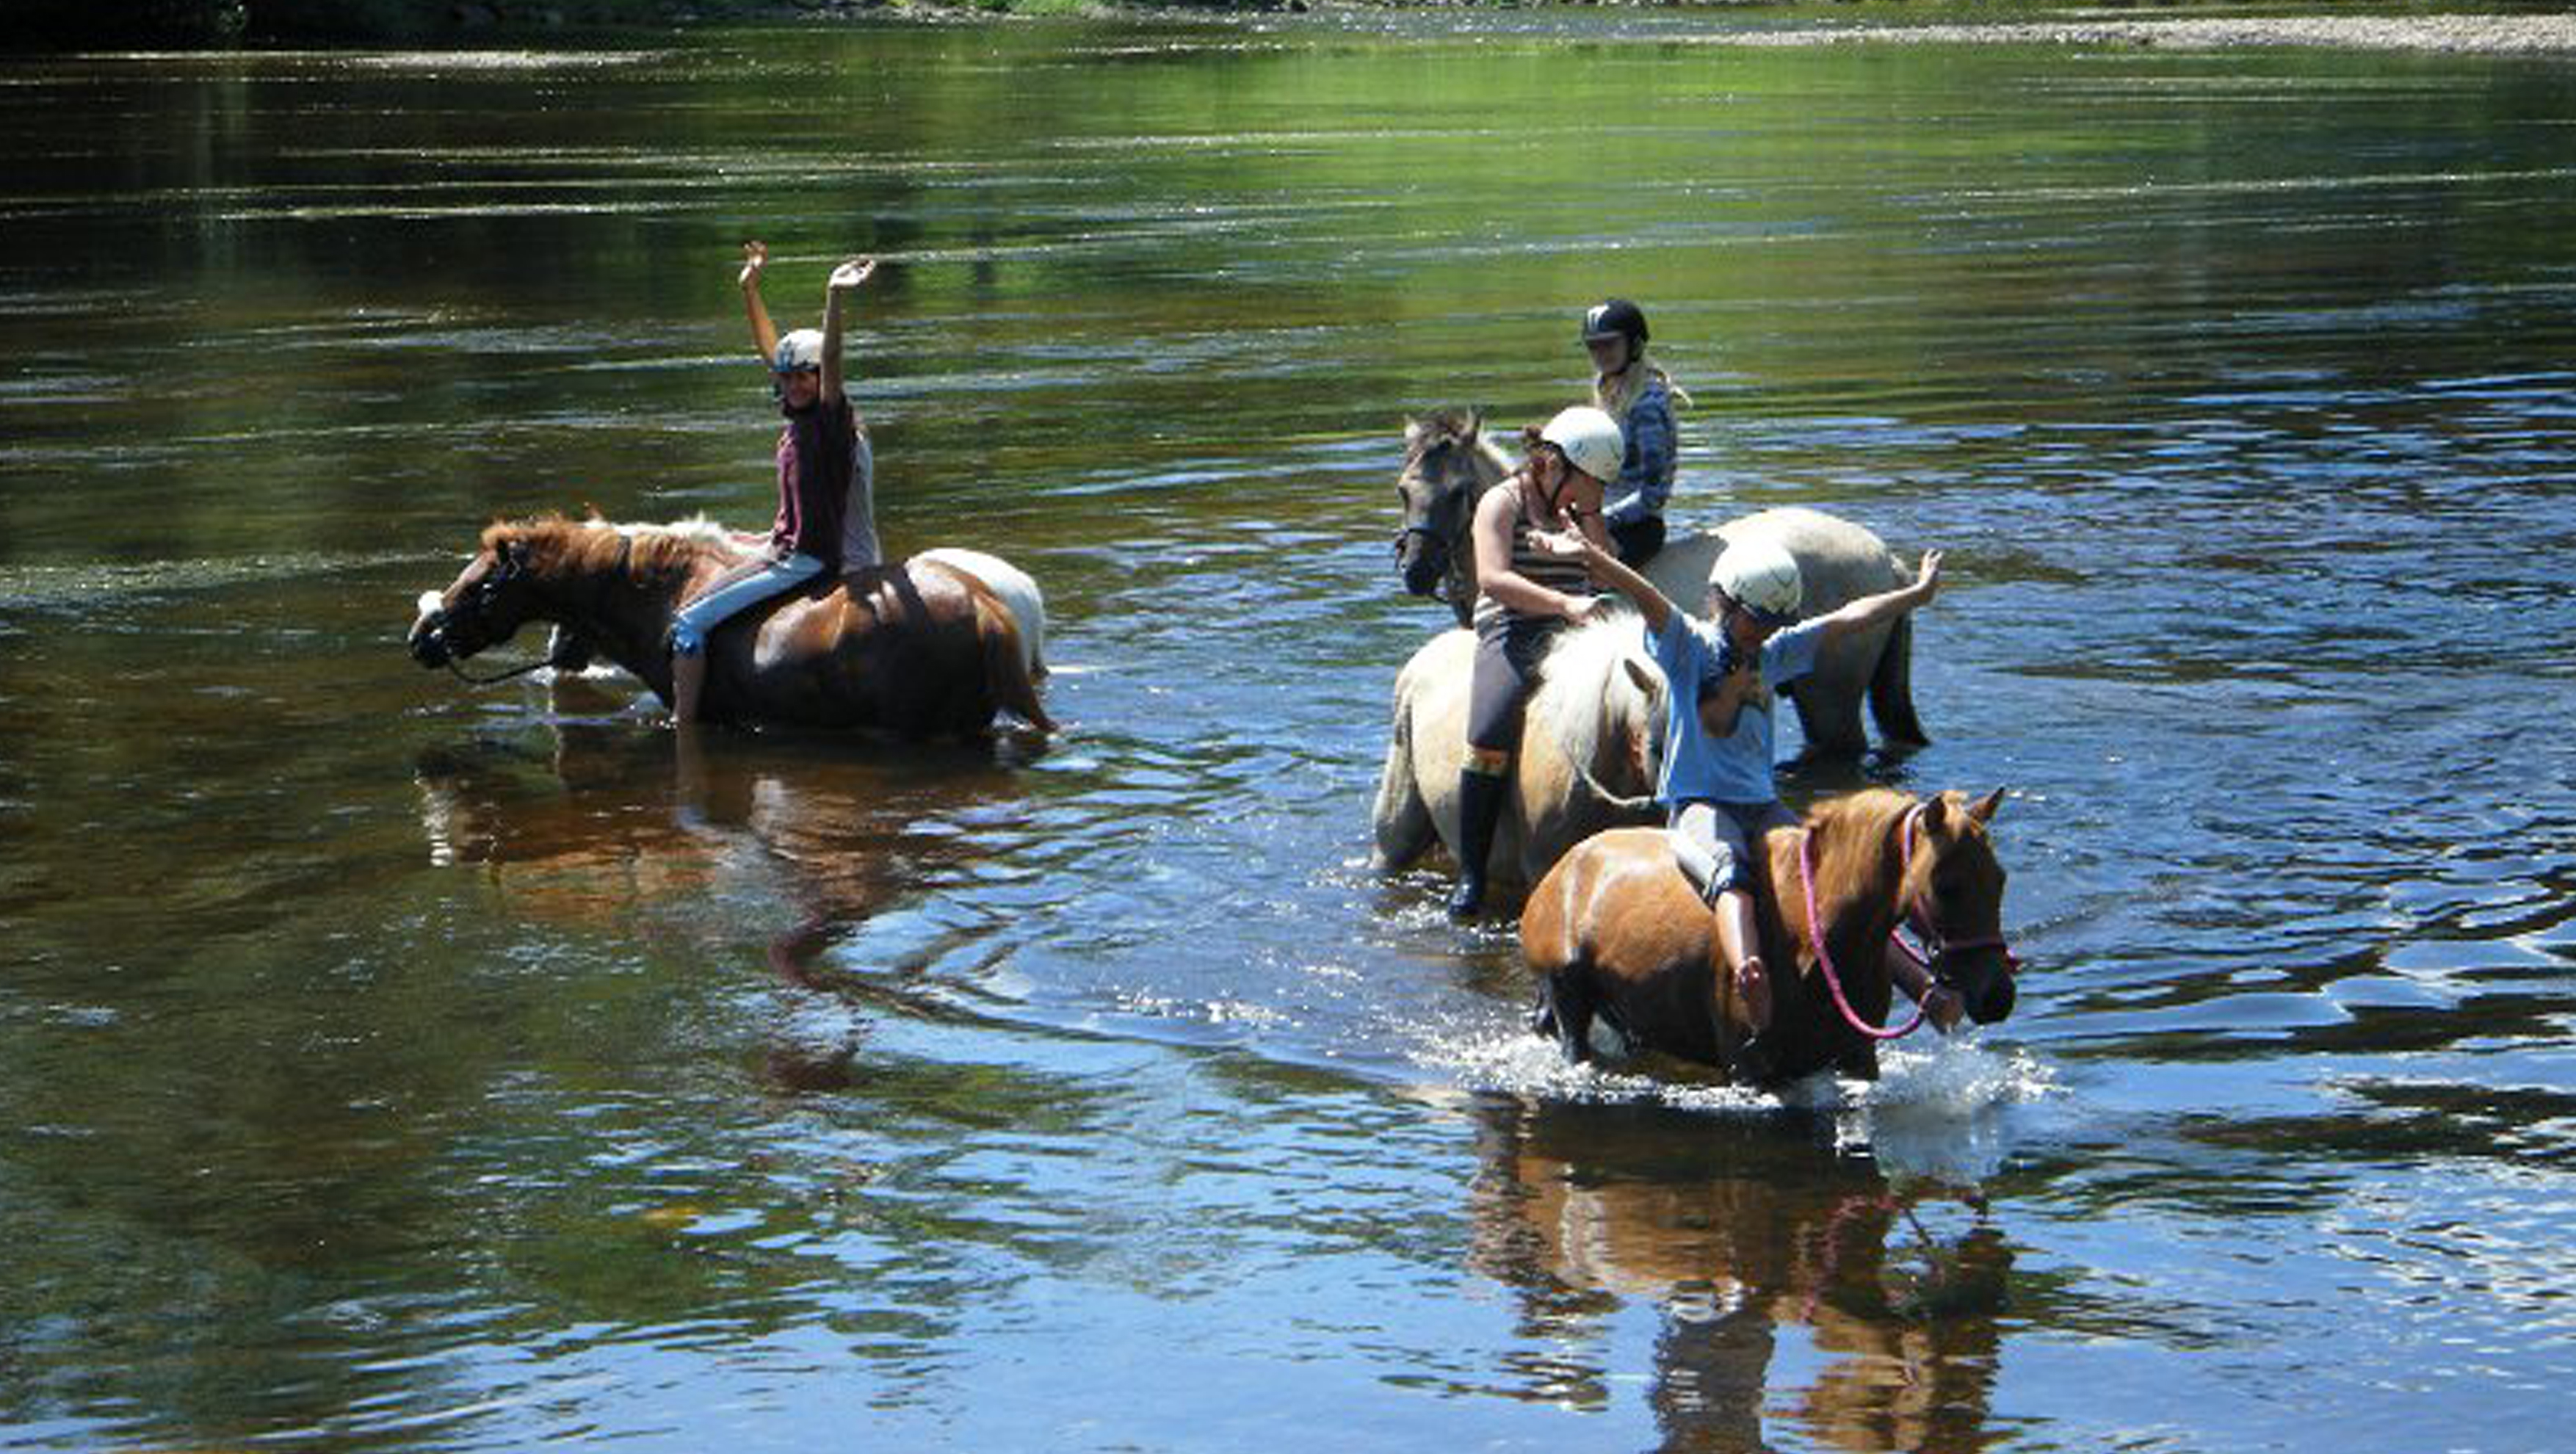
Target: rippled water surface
388,1065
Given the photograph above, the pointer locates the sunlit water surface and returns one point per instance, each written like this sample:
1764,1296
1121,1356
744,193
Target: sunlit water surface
386,1065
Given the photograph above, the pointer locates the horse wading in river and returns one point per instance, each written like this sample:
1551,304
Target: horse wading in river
1587,758
1449,464
1616,931
935,646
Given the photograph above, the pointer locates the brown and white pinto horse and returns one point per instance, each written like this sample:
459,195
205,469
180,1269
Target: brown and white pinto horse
1615,930
920,649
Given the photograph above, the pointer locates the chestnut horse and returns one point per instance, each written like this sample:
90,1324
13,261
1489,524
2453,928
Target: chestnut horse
1449,463
925,648
1616,930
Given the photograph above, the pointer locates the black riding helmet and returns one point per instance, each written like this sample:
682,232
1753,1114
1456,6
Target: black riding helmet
1614,318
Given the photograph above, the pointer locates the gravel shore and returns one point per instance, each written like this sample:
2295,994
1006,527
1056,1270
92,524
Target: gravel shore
2485,34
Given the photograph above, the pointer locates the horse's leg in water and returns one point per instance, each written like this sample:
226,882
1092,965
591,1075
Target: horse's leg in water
1403,821
1565,1009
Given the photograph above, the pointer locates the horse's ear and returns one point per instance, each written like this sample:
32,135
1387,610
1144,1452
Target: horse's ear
1983,809
1412,429
1475,422
1641,671
1936,814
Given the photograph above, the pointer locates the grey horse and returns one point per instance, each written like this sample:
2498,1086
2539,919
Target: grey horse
1449,464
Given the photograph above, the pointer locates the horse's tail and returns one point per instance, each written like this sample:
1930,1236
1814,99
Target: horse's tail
1401,819
1006,662
1017,589
1891,687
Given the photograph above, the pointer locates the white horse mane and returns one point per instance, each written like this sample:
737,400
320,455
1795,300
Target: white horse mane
1585,685
696,528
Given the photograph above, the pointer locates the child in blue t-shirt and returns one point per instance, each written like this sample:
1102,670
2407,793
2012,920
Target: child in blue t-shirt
1723,673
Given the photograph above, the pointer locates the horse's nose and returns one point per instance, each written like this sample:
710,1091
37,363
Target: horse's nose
429,640
1995,1002
1421,572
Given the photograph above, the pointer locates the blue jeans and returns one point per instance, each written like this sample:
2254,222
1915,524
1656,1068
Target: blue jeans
690,627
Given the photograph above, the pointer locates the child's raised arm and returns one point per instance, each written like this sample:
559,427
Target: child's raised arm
844,281
1888,605
764,334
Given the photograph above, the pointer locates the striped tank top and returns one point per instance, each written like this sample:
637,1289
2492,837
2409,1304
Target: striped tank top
1556,572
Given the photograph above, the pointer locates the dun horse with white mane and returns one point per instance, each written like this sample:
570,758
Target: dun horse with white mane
1587,758
1449,463
935,646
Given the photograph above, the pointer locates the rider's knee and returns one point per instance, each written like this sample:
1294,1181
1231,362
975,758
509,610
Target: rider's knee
1729,886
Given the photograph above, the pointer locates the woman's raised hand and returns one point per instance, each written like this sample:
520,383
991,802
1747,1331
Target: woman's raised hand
755,256
851,273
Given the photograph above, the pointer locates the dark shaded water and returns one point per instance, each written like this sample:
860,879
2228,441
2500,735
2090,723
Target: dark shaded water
389,1066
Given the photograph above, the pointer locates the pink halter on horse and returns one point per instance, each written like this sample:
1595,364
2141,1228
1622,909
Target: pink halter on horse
1918,915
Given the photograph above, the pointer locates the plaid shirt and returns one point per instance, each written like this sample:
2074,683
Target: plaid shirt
1646,475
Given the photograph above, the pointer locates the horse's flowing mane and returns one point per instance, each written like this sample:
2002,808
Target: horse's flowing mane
1585,686
1845,828
588,547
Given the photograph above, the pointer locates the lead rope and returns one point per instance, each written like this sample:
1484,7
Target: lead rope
1816,937
517,671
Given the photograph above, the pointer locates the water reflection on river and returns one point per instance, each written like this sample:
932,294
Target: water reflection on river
388,1065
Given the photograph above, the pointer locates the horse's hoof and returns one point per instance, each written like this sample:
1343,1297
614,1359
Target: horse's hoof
1466,902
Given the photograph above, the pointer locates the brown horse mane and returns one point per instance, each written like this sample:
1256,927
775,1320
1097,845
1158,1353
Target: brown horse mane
1845,830
1858,854
557,544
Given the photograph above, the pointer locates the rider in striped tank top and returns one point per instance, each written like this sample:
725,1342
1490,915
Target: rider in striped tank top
1523,595
1565,575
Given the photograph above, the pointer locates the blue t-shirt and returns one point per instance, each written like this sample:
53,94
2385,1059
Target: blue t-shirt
1736,768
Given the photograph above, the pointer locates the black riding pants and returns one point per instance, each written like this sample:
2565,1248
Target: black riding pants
1508,649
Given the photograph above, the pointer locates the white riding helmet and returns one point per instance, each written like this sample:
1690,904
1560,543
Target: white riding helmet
1762,578
1591,441
799,351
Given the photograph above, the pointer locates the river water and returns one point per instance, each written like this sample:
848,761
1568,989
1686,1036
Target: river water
387,1065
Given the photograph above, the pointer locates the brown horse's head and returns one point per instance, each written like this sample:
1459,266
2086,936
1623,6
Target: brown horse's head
1953,896
529,570
486,604
1448,464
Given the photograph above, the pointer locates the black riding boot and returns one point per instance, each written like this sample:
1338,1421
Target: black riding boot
1480,806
